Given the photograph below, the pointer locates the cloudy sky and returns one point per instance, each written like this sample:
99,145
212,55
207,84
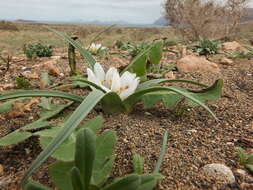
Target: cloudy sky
134,11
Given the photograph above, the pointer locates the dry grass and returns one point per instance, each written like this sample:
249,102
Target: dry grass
31,32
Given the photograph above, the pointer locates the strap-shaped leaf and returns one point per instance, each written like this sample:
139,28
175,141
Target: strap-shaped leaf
85,54
79,114
85,155
89,83
131,182
150,83
14,138
76,179
134,98
40,93
138,164
163,151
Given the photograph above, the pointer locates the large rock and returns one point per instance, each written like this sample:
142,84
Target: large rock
226,61
220,172
232,46
193,63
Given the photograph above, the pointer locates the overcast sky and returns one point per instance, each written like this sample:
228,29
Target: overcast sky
134,11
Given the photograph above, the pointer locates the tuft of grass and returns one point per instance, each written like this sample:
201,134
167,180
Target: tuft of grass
22,83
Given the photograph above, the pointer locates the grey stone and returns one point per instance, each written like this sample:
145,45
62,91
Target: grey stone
220,172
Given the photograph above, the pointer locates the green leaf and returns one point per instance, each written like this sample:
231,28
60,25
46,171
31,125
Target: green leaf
94,124
37,125
76,179
55,109
60,174
150,83
40,93
156,53
249,167
103,163
211,93
85,155
64,152
53,132
149,181
83,109
14,138
153,53
131,182
134,98
168,98
85,53
250,159
45,103
112,103
171,99
138,164
82,80
31,185
163,151
242,155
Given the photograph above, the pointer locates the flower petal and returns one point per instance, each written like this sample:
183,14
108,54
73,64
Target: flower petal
115,82
109,76
99,72
130,90
127,78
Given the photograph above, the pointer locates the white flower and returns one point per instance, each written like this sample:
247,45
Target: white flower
124,85
94,48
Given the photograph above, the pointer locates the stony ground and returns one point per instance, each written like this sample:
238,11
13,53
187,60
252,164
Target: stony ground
195,138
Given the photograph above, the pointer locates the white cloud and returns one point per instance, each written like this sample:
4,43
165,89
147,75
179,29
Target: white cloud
136,11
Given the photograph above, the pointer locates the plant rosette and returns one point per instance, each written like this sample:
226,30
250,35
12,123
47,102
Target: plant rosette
123,92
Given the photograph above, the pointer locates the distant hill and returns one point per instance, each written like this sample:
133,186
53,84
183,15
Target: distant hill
249,15
162,21
94,22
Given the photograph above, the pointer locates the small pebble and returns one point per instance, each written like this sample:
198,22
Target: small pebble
192,131
220,172
26,68
147,113
242,172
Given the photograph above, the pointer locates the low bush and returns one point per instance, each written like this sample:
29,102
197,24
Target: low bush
37,49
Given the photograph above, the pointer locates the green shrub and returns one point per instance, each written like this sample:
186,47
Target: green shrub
206,47
37,49
245,159
22,83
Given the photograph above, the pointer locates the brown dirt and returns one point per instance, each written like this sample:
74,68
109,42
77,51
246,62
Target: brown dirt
195,139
